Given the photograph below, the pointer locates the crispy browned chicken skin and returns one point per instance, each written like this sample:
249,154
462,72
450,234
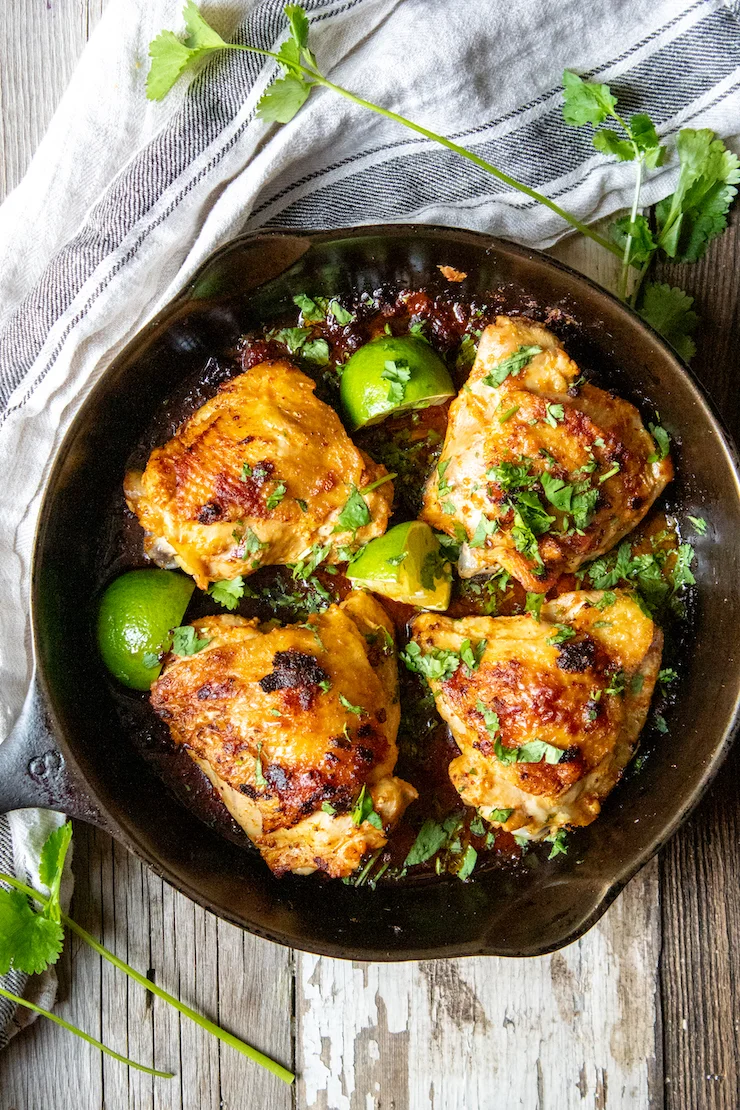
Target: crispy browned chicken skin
539,422
587,695
259,475
290,724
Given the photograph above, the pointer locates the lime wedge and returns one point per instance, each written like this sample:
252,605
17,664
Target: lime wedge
406,564
136,615
392,375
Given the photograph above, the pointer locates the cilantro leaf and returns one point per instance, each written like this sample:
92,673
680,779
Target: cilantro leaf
436,665
433,568
342,315
490,717
364,810
662,440
298,23
51,866
553,414
642,240
562,633
484,529
532,752
316,351
186,641
469,860
609,142
557,492
227,592
398,373
586,101
513,365
700,525
29,941
355,513
533,604
697,211
557,840
429,839
312,311
647,140
276,496
669,311
283,99
501,815
356,709
171,57
471,654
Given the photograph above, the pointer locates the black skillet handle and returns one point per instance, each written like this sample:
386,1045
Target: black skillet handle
33,771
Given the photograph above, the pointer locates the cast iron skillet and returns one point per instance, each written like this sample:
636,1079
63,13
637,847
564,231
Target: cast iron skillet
69,750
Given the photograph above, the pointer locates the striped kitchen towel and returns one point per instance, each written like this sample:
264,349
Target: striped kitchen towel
125,198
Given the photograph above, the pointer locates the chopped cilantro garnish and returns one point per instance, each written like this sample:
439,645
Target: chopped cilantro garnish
469,860
246,471
227,592
484,529
660,723
327,807
557,840
700,524
436,665
356,709
342,315
363,810
563,632
490,717
276,496
186,641
506,416
663,443
533,604
501,815
471,654
355,513
513,365
610,473
554,414
398,373
532,752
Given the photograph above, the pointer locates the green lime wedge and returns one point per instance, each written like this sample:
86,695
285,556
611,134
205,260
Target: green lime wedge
392,375
136,614
406,564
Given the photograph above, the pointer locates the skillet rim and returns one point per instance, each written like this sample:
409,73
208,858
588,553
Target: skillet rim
125,833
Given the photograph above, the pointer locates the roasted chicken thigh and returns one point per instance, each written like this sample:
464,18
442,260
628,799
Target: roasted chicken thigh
550,716
296,728
263,473
538,472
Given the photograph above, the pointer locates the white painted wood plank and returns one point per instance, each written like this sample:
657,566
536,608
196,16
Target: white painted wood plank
574,1030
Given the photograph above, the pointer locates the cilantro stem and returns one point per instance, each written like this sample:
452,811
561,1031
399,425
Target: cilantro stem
475,159
84,1036
318,79
624,274
203,1022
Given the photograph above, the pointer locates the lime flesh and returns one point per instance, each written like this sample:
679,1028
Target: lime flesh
136,614
368,397
405,564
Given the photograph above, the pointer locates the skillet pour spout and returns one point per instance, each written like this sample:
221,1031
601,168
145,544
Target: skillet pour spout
92,769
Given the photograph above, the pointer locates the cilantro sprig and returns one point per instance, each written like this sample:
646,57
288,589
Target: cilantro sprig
685,222
299,76
32,926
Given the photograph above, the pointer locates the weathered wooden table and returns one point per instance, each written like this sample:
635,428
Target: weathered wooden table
643,1012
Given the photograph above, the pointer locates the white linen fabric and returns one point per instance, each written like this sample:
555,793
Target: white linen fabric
125,198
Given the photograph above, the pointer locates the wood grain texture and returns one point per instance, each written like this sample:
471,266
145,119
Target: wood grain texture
700,868
608,1023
